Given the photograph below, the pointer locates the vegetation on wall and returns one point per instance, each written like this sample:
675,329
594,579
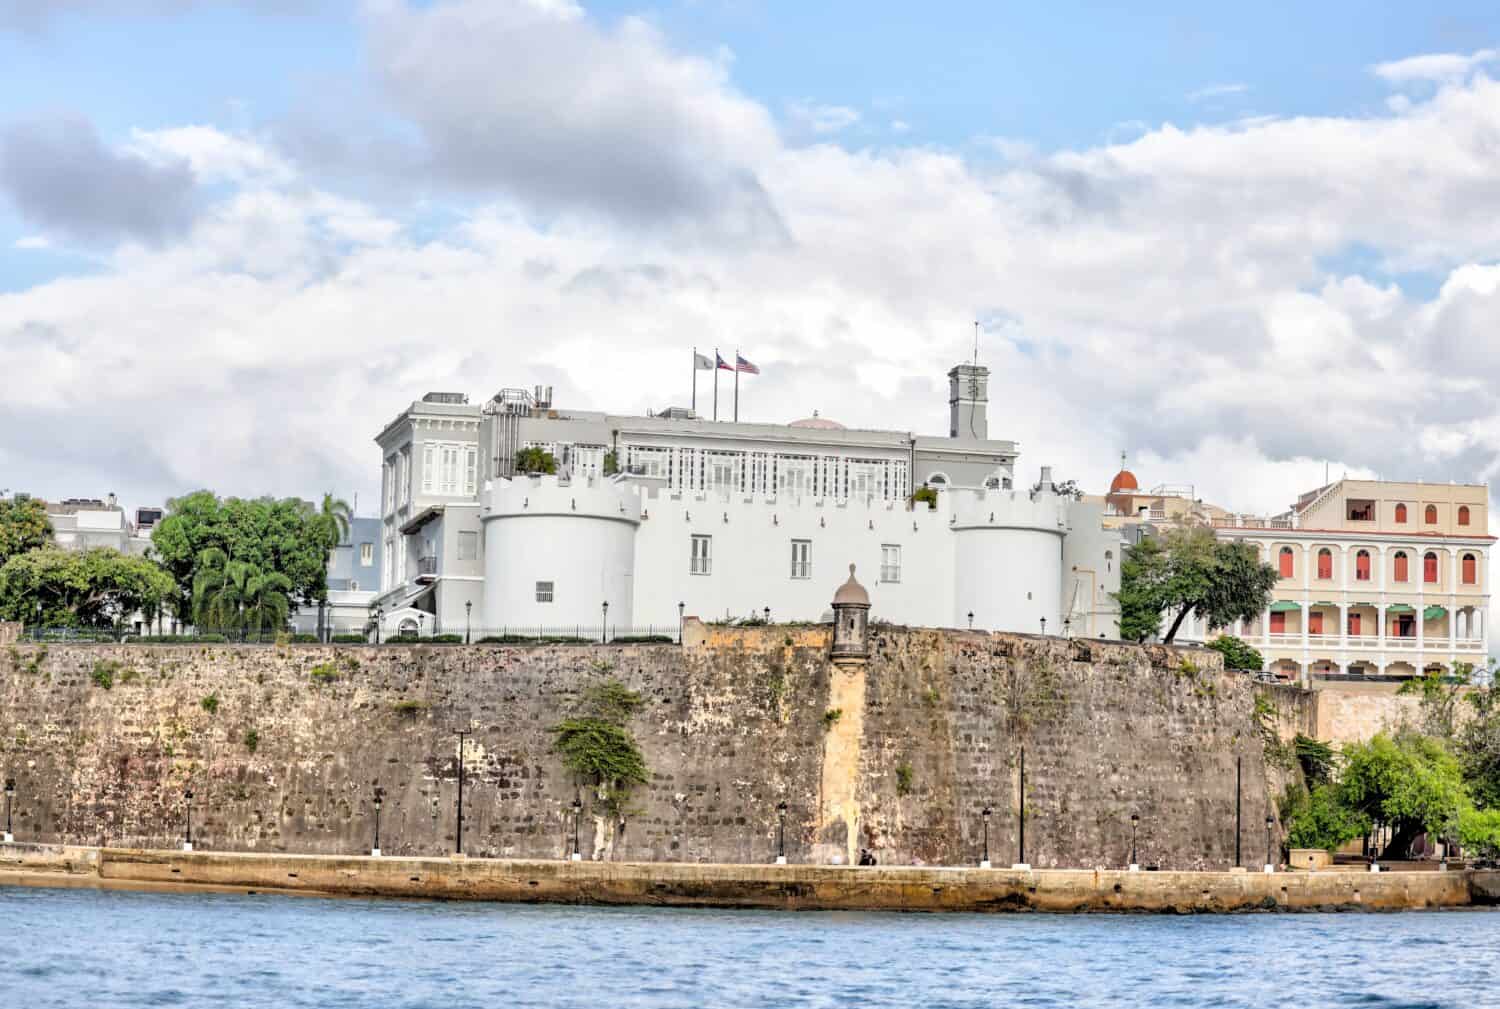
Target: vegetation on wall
535,460
597,745
1237,654
1186,571
927,494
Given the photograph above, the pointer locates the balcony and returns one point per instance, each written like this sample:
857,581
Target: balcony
427,570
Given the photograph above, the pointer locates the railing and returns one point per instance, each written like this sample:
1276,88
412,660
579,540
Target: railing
427,566
1393,642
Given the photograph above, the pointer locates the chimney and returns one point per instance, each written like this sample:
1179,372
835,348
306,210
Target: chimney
968,401
1046,478
110,501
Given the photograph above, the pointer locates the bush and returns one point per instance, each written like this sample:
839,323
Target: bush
903,778
178,639
1237,654
831,717
927,494
349,639
1479,832
325,672
643,639
210,703
446,639
409,707
1320,820
252,740
104,673
304,639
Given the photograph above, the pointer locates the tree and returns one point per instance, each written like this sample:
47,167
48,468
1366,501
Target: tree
1478,745
94,589
1440,693
23,526
535,460
1409,781
1237,654
1188,570
927,494
334,517
1319,819
237,595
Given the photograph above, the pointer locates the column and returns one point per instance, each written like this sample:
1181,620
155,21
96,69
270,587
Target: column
1265,627
1344,628
1380,627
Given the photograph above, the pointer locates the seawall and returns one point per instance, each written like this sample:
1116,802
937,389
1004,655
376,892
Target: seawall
283,747
779,887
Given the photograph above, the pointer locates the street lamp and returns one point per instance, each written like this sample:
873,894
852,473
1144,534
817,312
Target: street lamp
10,794
1044,627
187,820
1067,626
604,624
459,840
1021,819
681,607
379,798
468,611
781,833
971,620
768,614
379,612
1135,862
577,812
984,863
1270,865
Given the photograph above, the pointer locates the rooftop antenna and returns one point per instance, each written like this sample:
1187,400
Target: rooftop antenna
976,343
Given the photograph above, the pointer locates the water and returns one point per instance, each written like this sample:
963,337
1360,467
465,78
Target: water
78,948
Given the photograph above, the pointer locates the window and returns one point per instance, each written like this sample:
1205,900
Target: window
1362,566
1463,515
699,564
468,546
1471,570
1354,624
1361,511
1285,559
1429,568
890,563
1278,623
1325,563
366,554
1401,514
1400,565
801,558
544,592
1429,516
1315,623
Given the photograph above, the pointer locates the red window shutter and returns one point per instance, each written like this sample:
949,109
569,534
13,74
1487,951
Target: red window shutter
1470,571
1325,564
1400,567
1362,566
1463,515
1278,623
1429,568
1354,623
1315,623
1286,562
1401,514
1431,515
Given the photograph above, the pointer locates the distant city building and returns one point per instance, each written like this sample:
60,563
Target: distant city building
84,523
664,513
353,583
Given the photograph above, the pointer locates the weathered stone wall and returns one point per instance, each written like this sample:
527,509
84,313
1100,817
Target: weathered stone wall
1353,712
282,747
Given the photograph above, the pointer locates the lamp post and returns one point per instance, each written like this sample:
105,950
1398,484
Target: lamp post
971,620
1044,627
984,863
378,614
604,624
10,794
681,608
1135,862
577,812
468,612
379,798
781,833
1237,811
1021,862
1067,627
459,840
768,614
187,820
1270,865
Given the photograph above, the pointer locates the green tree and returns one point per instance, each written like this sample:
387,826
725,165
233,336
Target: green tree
1319,819
236,595
1440,693
334,517
1187,570
1478,745
94,589
596,743
927,494
1237,654
1479,832
1409,781
23,526
535,460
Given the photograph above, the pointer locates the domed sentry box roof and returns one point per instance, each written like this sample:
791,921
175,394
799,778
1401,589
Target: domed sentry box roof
851,593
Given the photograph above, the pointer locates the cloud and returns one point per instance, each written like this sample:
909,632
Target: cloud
61,176
1434,67
533,100
899,126
815,117
32,242
37,15
1217,91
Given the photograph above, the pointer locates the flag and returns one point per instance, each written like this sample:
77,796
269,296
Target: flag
701,362
723,364
740,364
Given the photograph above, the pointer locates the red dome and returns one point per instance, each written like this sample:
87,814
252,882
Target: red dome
1124,480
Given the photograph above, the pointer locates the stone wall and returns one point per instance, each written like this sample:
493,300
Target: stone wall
283,746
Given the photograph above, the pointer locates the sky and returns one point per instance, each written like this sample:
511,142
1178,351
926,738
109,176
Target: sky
1247,247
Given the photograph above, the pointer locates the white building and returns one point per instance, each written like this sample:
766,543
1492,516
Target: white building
724,520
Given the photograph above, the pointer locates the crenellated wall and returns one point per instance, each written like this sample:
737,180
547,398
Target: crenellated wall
283,746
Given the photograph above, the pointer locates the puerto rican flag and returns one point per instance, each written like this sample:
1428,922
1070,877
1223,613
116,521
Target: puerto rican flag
723,364
740,364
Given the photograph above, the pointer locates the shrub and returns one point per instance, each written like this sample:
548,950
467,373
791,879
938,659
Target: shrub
596,744
643,639
104,673
324,672
304,639
927,494
409,707
831,717
1479,832
1237,654
210,703
446,639
903,778
252,740
1320,820
349,639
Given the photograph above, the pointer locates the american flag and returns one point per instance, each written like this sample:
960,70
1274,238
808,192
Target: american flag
740,364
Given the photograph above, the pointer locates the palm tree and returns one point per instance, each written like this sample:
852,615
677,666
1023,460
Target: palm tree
266,599
215,597
333,519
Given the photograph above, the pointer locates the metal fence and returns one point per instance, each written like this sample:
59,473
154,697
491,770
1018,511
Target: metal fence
515,634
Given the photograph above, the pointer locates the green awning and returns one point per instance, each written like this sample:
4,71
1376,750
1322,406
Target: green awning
1433,612
1285,606
1400,608
1325,602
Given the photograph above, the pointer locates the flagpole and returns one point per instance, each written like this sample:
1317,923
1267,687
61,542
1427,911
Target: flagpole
695,381
716,383
736,385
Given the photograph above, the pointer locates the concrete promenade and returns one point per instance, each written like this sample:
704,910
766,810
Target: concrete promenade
780,887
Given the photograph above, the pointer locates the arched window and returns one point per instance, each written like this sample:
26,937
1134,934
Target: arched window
1430,515
938,480
1362,566
1286,562
1429,568
1471,570
1400,574
1463,515
1325,563
1401,514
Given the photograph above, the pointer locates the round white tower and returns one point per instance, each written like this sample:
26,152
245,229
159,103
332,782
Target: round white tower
1008,560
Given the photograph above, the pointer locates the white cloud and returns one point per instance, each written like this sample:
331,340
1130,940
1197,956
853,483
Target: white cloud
819,118
32,242
1217,91
1434,67
899,126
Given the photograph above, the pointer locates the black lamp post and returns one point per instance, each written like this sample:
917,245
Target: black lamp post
459,840
781,833
1044,627
971,620
379,798
10,794
1270,865
577,813
1237,811
187,820
468,612
768,614
378,614
681,608
1135,822
985,863
604,624
1067,626
1022,817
